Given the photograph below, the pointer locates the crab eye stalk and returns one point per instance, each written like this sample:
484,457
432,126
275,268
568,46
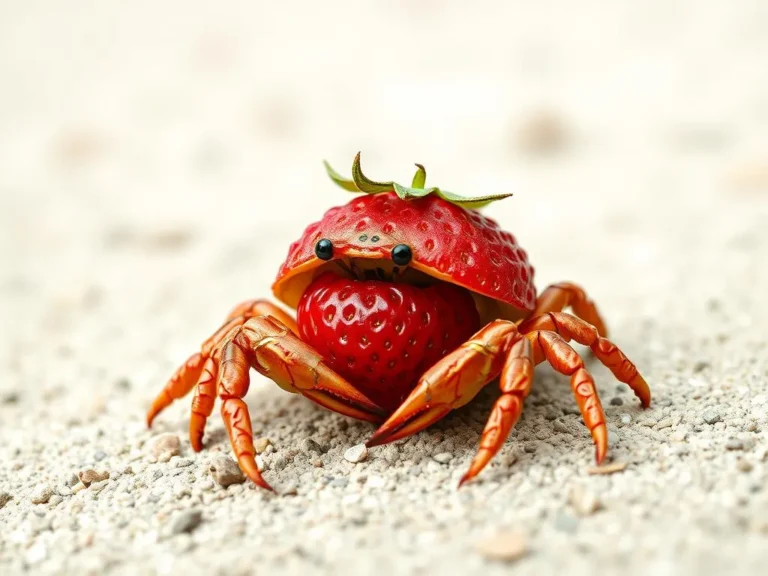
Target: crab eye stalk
401,255
324,249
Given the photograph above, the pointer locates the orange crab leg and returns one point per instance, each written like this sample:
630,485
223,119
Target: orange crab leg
268,346
189,373
564,359
182,381
572,328
560,296
502,348
203,401
516,379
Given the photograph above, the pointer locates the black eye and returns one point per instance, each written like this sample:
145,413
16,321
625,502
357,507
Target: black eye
324,249
401,255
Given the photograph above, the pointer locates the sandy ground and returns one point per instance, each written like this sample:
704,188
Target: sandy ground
156,162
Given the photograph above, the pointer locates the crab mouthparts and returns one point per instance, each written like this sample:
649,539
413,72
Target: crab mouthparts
354,270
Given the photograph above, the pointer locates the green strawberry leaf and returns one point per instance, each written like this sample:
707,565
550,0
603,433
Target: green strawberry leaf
361,183
364,183
348,185
420,178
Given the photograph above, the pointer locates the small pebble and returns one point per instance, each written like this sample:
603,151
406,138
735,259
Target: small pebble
711,416
700,366
309,445
186,521
584,501
225,471
625,418
317,463
504,547
607,468
664,423
184,462
741,465
89,476
617,401
443,457
41,494
559,426
99,456
4,499
260,444
166,446
356,454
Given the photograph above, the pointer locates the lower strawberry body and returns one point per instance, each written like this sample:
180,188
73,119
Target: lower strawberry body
382,336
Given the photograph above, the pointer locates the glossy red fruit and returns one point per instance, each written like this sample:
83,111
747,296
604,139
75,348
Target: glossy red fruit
382,336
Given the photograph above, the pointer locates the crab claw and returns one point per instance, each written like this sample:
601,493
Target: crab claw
341,397
450,383
410,418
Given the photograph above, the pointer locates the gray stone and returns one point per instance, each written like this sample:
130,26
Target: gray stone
41,494
711,416
443,457
225,471
356,454
186,521
165,446
308,446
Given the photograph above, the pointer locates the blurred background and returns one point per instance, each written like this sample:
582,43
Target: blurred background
136,134
157,158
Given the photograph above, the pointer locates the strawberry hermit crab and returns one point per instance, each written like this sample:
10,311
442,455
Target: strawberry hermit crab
409,302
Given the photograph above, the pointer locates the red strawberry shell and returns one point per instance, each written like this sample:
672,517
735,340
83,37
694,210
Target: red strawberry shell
448,242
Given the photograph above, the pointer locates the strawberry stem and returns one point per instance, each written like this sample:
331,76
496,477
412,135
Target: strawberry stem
361,183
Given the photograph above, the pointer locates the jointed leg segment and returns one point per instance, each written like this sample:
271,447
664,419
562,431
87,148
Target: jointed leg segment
255,336
501,348
259,335
192,372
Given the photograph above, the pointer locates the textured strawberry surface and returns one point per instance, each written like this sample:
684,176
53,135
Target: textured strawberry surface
382,336
452,243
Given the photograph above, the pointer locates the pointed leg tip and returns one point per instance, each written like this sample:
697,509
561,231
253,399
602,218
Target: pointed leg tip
378,438
600,453
464,479
251,471
373,441
263,484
